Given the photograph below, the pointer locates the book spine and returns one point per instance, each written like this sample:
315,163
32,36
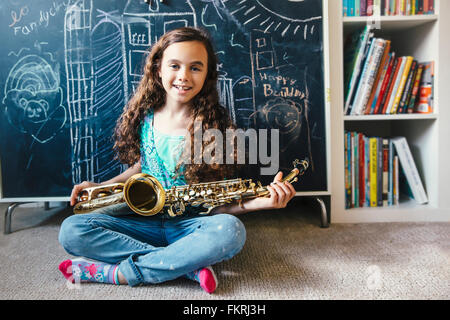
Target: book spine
356,151
402,7
367,171
390,87
357,68
357,8
395,84
361,182
377,8
368,80
426,89
351,8
384,86
355,108
420,7
373,171
385,179
379,78
408,88
396,180
430,6
369,7
353,173
391,174
348,190
379,172
415,89
401,84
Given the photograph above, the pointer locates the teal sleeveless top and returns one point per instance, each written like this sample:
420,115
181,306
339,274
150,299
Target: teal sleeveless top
160,153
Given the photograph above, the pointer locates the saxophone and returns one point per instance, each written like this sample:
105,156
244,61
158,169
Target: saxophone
145,195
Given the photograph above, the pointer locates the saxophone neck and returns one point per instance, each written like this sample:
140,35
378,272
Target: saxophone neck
299,169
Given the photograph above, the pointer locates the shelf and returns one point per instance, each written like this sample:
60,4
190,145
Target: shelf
378,117
407,210
391,22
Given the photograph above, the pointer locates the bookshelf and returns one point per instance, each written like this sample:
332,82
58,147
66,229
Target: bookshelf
428,135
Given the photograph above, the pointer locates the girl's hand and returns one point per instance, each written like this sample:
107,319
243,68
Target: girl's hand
280,194
77,189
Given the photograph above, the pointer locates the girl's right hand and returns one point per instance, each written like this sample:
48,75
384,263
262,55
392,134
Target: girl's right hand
77,189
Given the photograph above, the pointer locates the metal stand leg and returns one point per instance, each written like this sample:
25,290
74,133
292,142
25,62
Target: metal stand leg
8,215
323,214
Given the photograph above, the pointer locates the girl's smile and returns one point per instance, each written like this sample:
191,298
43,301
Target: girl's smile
183,71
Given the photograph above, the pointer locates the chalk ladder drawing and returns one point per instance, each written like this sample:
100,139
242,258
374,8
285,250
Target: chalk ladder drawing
95,91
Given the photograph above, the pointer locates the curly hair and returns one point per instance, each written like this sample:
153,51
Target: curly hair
150,94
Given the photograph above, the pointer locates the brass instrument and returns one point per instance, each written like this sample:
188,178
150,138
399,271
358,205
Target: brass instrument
145,195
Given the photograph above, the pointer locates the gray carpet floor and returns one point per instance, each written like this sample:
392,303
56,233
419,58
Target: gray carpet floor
287,256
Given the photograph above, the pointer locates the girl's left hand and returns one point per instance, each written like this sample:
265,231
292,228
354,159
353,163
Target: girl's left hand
280,194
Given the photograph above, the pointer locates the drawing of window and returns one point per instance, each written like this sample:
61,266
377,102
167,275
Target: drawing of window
170,25
139,33
264,60
135,61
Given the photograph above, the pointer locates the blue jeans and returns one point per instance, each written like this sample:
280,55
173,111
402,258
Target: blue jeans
152,249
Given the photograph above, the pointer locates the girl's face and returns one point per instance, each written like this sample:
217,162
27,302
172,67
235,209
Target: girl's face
183,71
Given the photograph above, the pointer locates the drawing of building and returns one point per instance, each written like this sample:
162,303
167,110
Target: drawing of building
95,95
144,24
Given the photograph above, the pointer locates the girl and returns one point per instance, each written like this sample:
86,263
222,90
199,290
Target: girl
178,87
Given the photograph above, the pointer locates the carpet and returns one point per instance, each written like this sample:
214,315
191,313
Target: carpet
286,256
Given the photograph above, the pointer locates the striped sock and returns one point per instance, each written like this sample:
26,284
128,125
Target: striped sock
84,270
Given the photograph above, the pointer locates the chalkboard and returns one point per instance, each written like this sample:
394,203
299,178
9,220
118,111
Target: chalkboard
68,68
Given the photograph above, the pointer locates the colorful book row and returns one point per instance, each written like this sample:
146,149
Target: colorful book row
377,81
359,8
377,169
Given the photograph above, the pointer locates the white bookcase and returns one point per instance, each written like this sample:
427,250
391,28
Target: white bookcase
426,38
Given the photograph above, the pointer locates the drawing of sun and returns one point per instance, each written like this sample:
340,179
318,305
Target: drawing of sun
285,17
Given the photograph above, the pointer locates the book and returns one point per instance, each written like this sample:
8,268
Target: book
364,38
369,7
379,171
391,174
388,93
379,78
385,172
395,85
396,182
348,178
425,104
361,171
415,89
367,171
373,142
408,88
368,75
401,83
363,73
385,84
410,170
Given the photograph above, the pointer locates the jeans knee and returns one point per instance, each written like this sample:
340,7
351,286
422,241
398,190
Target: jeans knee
232,233
70,233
